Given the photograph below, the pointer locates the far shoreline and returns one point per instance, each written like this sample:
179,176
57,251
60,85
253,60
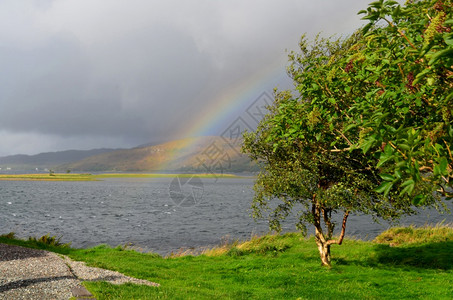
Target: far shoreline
100,176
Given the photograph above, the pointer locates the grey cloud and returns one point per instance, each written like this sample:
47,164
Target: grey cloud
137,71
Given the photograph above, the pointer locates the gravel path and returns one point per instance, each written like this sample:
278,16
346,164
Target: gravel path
35,274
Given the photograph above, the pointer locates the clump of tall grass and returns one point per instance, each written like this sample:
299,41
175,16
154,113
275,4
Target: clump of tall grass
263,245
226,245
9,236
397,236
45,242
49,240
183,252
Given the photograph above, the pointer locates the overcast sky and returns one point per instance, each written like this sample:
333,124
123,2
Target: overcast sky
83,74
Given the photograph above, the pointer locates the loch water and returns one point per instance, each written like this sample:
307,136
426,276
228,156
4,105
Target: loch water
153,214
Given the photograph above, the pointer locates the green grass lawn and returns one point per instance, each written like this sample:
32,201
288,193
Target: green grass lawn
401,264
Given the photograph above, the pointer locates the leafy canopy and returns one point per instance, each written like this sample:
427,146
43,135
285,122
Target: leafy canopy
369,128
404,70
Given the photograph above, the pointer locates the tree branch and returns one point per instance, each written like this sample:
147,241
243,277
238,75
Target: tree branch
343,136
343,231
396,148
448,148
327,220
317,220
401,33
340,150
425,168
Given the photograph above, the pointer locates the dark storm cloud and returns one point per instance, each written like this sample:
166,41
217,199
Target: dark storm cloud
54,90
83,74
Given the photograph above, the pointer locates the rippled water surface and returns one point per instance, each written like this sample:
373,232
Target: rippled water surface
142,212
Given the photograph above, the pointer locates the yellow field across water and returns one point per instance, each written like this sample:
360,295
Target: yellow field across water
91,177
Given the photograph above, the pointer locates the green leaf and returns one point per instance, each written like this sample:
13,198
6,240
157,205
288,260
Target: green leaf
372,17
448,38
421,75
439,54
350,126
449,97
438,147
415,171
376,4
408,189
419,199
384,188
407,182
443,166
366,28
401,164
367,144
387,177
390,3
388,150
397,12
404,147
383,160
436,170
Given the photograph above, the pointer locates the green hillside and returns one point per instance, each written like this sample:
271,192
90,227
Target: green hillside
47,160
202,154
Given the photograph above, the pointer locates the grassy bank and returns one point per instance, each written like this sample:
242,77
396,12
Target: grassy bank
401,263
91,177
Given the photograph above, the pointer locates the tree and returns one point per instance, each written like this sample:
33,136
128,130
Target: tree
329,149
406,114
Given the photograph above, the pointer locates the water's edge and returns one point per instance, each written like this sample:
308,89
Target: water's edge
152,214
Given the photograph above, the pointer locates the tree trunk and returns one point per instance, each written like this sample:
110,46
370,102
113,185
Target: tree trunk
322,242
324,253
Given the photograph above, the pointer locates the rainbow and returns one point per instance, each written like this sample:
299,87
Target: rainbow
232,103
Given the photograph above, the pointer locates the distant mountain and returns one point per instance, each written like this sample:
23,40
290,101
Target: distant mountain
154,143
47,160
203,154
